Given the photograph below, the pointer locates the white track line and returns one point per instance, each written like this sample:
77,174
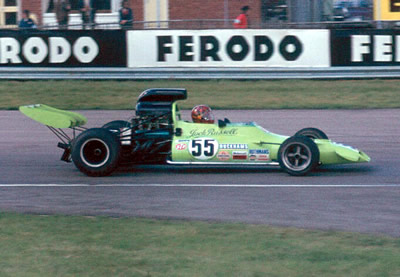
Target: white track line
206,185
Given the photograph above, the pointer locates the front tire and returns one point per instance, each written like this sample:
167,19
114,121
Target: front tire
298,155
312,133
95,152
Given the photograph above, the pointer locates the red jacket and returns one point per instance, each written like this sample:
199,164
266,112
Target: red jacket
240,21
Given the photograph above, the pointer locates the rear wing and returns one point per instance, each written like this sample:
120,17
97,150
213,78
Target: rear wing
53,117
56,120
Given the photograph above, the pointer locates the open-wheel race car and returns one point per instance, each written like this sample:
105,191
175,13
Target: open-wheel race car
157,134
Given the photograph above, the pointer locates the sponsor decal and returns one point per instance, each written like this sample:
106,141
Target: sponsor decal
386,10
259,155
262,157
203,148
259,151
239,155
365,47
56,49
180,146
223,156
376,48
213,132
237,48
233,146
59,48
224,48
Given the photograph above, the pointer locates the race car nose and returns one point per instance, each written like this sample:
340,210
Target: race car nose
364,157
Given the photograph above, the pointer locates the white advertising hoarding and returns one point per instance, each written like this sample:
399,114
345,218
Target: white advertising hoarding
228,48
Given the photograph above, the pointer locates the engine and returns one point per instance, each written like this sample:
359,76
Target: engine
152,129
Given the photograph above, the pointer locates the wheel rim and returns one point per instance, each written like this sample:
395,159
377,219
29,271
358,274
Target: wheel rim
95,152
297,156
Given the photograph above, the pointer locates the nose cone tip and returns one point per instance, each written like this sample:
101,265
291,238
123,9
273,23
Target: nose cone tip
364,157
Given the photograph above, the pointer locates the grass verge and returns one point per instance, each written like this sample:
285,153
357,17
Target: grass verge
222,94
32,245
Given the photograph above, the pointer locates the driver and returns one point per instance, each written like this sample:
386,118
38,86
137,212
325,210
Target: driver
202,114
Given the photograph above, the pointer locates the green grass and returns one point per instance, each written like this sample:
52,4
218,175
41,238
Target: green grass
284,94
32,245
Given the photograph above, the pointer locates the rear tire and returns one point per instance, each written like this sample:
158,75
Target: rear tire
116,125
312,133
95,152
298,155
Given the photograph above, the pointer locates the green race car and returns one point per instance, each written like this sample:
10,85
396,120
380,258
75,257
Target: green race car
158,134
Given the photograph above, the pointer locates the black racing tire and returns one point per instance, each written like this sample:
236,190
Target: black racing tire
96,151
116,125
312,133
298,155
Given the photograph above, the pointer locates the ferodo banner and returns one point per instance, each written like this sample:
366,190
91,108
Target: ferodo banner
63,48
365,47
227,48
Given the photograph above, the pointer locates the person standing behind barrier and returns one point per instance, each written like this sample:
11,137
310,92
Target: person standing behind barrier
327,10
62,8
88,12
125,16
241,21
26,22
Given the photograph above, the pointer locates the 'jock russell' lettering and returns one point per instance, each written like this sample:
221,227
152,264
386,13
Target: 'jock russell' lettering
213,132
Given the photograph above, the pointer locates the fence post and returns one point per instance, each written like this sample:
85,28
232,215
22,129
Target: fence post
226,12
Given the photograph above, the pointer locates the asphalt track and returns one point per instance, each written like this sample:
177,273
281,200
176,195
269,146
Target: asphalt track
361,198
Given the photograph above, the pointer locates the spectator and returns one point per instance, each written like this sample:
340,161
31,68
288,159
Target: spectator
62,8
241,21
327,10
125,16
88,12
26,22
